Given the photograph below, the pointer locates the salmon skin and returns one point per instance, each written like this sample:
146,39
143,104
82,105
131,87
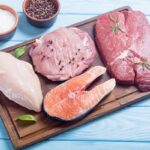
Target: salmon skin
69,101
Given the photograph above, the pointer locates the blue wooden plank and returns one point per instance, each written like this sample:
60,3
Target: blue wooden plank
3,132
88,6
6,145
128,125
89,145
81,145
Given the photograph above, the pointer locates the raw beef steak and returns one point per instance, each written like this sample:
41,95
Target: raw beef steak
123,39
63,53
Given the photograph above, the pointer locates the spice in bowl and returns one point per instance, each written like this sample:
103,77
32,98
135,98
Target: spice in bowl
7,20
41,9
41,13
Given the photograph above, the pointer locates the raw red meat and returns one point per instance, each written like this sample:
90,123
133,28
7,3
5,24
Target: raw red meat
63,53
123,39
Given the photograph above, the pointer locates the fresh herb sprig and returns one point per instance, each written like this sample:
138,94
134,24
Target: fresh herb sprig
144,64
115,28
26,118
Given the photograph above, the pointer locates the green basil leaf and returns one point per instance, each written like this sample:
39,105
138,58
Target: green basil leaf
27,118
20,51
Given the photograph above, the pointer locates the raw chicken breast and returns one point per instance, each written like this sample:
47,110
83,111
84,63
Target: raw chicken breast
19,83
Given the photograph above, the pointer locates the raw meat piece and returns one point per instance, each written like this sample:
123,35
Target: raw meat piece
63,53
19,83
70,101
123,39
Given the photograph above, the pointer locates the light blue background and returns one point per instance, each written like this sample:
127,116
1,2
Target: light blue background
128,129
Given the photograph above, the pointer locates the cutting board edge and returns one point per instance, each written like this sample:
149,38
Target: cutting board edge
18,143
24,142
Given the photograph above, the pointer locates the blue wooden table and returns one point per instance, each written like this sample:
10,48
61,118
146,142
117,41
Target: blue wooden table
128,129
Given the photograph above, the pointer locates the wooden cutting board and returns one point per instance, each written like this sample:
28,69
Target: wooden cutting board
25,135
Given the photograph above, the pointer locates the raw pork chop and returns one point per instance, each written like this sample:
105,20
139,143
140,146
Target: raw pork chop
19,82
63,53
123,39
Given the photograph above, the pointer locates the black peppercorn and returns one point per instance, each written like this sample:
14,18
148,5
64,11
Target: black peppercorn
41,9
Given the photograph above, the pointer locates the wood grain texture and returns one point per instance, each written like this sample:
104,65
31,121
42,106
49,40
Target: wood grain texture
6,144
135,119
22,136
61,127
83,145
90,145
128,124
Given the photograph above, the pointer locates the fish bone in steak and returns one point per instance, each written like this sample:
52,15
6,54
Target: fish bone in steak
125,50
63,53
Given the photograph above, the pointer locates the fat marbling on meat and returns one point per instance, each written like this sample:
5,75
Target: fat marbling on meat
63,53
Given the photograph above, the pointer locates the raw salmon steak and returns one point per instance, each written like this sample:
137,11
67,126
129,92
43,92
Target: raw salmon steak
70,101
